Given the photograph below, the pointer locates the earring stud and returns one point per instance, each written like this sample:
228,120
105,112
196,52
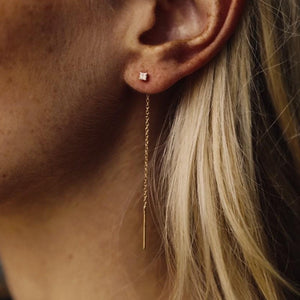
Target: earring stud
144,76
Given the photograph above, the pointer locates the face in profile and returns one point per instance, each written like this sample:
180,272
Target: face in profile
59,76
90,176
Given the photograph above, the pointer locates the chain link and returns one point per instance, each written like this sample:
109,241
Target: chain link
146,163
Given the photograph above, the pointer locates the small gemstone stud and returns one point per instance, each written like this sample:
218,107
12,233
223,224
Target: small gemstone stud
143,76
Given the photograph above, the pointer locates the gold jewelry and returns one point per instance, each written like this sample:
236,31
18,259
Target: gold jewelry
144,77
146,160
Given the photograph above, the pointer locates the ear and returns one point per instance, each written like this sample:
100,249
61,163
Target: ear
170,39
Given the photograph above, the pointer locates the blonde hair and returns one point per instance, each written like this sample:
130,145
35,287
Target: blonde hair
230,152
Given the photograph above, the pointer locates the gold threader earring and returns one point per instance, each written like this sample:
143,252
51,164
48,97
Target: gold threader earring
145,77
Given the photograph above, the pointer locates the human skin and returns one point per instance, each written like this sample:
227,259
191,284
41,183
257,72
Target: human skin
59,84
71,139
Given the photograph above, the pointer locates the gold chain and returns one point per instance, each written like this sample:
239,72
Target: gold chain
146,160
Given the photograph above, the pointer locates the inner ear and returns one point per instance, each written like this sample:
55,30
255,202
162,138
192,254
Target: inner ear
176,20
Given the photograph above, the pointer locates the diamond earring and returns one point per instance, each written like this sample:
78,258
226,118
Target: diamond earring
143,76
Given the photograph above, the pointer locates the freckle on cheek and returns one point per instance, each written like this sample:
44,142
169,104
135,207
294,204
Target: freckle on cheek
50,49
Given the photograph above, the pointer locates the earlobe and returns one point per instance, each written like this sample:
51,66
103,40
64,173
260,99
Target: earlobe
181,41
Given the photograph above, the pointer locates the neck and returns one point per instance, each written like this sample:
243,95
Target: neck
85,241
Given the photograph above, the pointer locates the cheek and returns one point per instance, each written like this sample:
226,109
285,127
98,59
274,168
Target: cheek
53,90
33,29
27,31
29,28
53,129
